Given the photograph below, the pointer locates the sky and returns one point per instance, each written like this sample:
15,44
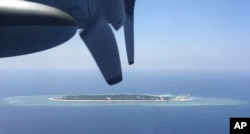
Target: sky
170,36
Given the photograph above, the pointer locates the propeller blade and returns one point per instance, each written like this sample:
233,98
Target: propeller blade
129,29
114,12
101,42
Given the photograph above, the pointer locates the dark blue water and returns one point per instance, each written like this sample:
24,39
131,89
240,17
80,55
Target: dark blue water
122,119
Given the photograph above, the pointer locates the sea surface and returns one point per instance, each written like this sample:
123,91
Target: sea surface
121,119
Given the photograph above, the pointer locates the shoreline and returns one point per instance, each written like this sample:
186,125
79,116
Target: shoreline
55,100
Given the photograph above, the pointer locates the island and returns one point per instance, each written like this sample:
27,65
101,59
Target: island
122,97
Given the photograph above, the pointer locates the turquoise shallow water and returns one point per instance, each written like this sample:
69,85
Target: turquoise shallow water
45,100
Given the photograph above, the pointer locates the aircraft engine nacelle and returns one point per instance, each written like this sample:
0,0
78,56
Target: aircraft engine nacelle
28,27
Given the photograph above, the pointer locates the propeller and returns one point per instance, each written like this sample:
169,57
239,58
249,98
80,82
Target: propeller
115,14
28,27
101,42
129,29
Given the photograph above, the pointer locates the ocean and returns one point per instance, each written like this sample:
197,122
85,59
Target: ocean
122,119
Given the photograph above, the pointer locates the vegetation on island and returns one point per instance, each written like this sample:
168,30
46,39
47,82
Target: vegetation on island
116,97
